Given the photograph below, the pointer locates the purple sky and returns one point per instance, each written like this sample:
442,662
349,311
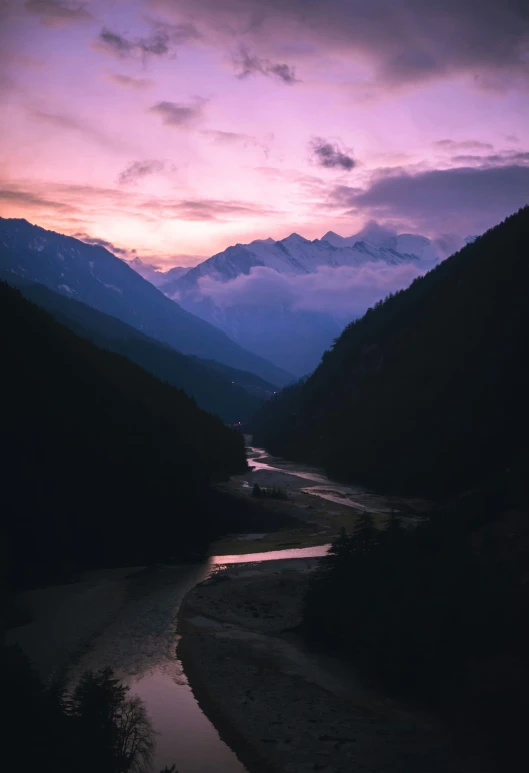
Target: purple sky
178,127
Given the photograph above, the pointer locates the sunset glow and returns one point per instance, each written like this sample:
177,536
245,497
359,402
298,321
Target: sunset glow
177,128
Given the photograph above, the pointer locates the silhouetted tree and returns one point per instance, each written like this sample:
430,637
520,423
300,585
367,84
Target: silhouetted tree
112,726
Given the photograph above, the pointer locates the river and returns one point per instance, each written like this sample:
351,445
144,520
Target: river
351,496
129,618
140,645
140,642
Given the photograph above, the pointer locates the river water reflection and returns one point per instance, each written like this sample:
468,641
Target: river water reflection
140,645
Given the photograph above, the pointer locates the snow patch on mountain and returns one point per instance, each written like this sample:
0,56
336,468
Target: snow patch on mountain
296,255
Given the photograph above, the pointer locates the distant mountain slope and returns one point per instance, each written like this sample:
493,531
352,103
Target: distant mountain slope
102,462
93,275
243,378
216,388
153,274
428,391
264,318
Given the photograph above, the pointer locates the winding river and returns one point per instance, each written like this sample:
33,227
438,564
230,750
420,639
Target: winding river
140,642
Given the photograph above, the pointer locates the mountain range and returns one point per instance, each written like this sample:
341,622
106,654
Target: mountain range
262,317
297,255
95,276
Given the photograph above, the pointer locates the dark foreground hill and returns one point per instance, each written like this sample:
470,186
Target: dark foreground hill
95,276
216,388
102,462
427,393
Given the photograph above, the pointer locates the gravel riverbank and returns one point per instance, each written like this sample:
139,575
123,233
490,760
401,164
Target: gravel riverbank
281,707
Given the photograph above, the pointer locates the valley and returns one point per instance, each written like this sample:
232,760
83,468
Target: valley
264,377
331,591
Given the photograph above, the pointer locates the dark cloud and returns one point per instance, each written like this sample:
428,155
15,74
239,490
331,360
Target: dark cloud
129,82
406,41
115,43
248,64
464,200
140,169
178,114
329,155
57,12
84,237
161,42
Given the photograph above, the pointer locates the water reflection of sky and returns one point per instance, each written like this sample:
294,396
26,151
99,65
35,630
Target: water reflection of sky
140,645
333,492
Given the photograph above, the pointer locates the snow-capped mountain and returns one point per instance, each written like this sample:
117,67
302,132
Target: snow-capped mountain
268,317
296,255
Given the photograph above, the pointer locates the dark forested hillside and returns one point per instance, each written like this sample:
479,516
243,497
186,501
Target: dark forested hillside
102,462
93,275
217,388
440,613
427,393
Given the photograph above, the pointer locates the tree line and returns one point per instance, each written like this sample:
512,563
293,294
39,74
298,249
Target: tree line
438,613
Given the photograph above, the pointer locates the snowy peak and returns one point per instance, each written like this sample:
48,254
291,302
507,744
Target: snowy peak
374,233
295,238
297,255
334,239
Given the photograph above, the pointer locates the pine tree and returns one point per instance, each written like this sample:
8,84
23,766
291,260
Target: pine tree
365,536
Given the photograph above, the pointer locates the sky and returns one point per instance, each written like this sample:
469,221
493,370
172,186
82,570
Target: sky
170,129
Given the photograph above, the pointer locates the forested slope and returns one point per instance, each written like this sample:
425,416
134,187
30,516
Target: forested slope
221,390
427,393
103,463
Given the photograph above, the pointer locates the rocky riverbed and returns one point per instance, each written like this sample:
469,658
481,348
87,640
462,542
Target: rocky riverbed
282,707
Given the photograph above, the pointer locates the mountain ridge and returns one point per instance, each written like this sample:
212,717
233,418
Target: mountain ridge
95,276
216,388
298,255
293,337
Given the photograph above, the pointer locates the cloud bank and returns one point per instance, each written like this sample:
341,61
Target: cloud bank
404,42
344,292
463,199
